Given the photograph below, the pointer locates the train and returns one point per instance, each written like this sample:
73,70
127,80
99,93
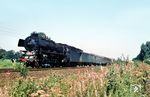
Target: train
41,51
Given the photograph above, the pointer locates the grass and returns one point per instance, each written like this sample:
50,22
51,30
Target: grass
16,65
116,80
61,85
6,63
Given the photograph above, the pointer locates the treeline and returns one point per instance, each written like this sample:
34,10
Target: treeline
11,54
144,54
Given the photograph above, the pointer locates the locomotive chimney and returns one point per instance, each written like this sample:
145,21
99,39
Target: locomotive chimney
21,43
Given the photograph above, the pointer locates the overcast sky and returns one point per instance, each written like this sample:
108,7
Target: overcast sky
104,27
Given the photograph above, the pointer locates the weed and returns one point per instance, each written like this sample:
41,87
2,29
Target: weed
6,63
23,88
22,69
112,81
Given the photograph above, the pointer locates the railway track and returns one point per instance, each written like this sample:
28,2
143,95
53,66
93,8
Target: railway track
5,70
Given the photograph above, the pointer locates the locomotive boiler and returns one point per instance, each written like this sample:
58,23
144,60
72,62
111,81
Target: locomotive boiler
47,53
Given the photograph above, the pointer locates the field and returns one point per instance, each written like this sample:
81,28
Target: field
116,80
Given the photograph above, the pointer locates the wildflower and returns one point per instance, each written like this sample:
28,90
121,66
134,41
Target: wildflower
34,94
44,95
40,92
8,73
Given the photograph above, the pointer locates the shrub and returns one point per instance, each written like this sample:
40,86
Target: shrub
22,69
23,88
147,61
119,83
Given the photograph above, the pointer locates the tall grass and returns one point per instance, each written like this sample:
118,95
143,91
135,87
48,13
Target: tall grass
6,63
116,80
22,69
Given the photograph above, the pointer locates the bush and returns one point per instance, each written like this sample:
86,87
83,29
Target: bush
122,60
147,61
22,69
23,88
119,83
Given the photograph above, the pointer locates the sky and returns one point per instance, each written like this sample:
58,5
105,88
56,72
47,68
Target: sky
110,28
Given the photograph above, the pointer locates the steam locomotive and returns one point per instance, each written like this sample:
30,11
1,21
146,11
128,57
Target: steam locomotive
44,52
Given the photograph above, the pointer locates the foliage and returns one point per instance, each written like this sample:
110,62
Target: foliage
23,88
22,69
111,81
11,54
122,60
144,53
4,63
2,53
17,55
119,83
147,61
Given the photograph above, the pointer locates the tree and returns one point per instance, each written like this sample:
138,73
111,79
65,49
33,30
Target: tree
144,53
2,53
10,54
17,55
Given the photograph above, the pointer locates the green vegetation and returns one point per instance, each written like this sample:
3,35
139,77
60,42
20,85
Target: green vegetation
22,69
7,58
117,80
22,88
6,63
144,54
121,82
11,54
2,53
147,61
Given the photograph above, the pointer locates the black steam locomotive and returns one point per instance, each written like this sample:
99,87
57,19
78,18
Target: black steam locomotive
44,52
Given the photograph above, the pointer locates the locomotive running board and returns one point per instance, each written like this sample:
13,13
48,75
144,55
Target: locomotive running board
21,43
